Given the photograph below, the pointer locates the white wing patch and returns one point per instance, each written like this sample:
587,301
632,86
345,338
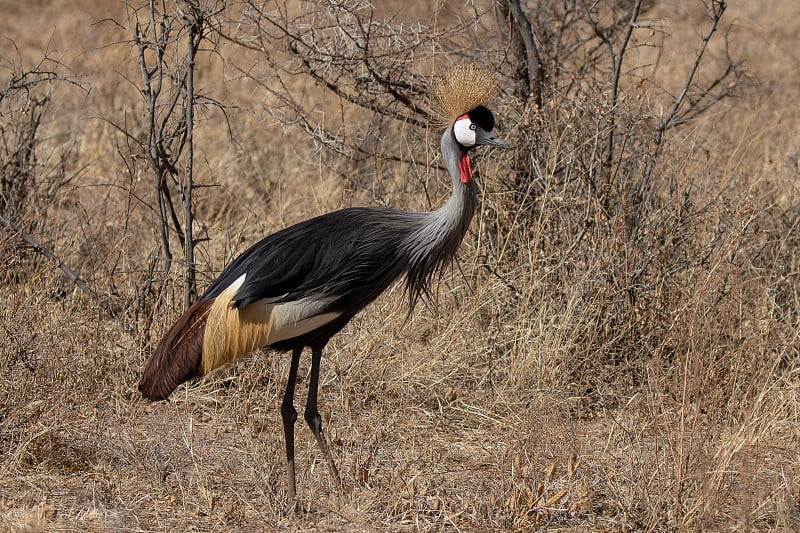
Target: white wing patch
292,319
231,333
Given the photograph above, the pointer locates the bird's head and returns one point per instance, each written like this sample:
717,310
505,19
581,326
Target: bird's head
459,99
475,129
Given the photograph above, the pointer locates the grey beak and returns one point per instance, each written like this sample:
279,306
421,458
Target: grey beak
485,138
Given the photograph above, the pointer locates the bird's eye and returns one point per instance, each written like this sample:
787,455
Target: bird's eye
473,127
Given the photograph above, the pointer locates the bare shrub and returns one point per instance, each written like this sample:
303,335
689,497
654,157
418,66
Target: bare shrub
33,167
167,39
582,191
592,239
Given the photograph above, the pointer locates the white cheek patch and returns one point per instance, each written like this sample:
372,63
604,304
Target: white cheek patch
465,135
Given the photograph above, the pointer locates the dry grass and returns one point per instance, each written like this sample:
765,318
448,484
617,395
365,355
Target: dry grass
536,398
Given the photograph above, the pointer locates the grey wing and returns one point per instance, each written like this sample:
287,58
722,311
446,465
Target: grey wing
297,267
348,254
292,262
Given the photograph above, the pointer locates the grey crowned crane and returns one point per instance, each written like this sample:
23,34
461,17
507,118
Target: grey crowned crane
300,286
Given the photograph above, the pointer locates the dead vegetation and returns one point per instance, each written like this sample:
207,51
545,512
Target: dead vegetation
616,350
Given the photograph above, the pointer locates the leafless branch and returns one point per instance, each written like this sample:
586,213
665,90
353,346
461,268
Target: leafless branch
676,115
170,99
616,58
533,66
366,61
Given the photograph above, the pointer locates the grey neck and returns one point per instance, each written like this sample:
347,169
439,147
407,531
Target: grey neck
434,242
463,200
441,231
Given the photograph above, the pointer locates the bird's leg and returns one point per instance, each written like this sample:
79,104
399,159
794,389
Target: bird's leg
289,415
313,418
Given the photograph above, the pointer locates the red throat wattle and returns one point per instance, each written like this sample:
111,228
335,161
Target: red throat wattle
463,166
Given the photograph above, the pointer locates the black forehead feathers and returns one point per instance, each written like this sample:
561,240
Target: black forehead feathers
482,117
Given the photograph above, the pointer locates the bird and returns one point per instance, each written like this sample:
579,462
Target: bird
298,287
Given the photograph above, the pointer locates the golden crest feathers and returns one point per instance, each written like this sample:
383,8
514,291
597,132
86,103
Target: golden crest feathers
462,89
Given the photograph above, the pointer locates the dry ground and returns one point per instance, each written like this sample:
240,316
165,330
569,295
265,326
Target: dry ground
474,418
